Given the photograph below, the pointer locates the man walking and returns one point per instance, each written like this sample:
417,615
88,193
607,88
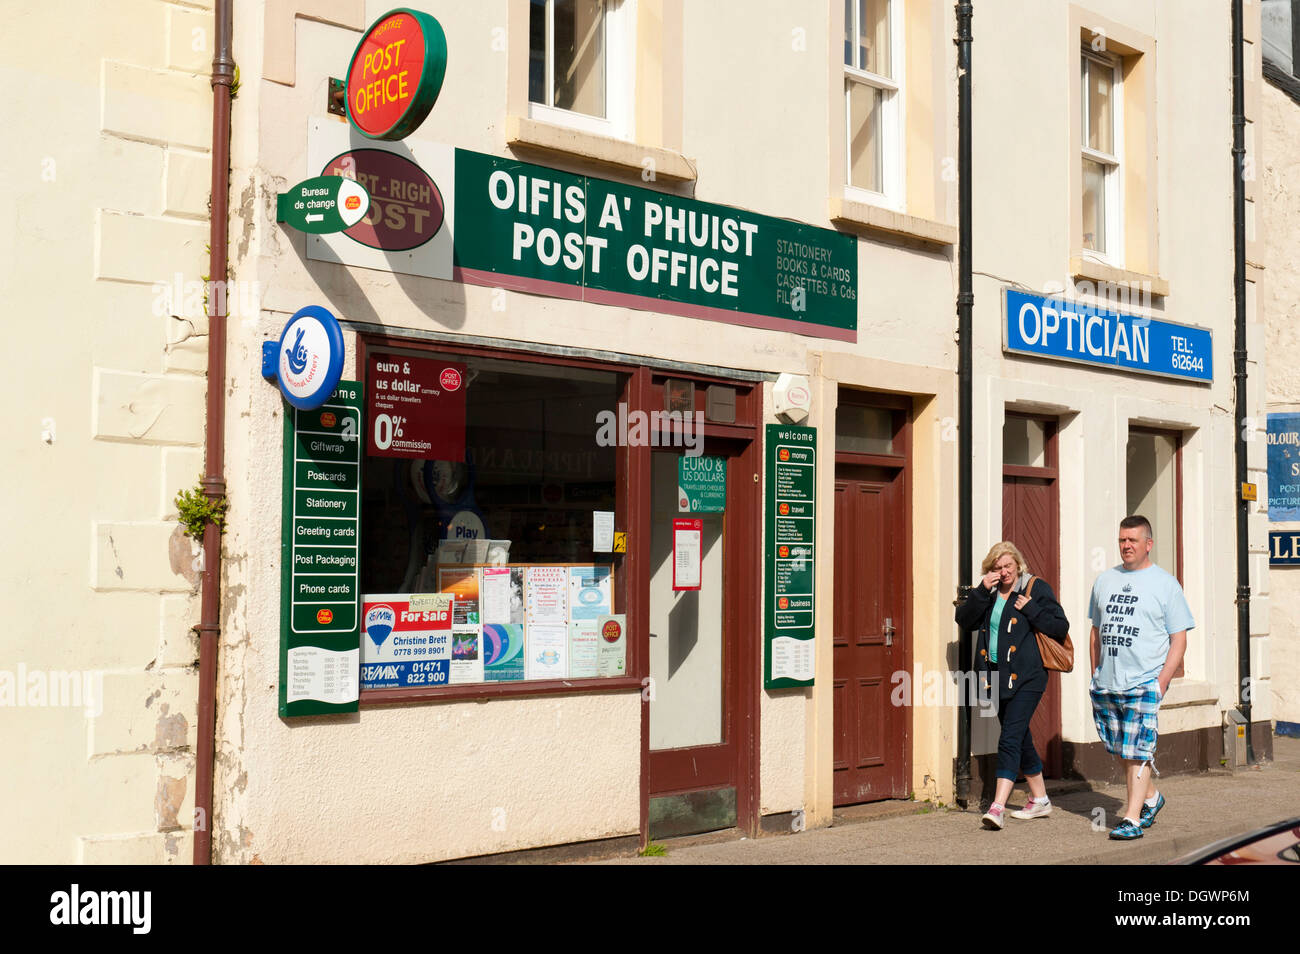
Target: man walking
1140,620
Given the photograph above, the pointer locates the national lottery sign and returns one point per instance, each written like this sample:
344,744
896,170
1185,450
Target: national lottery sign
1076,331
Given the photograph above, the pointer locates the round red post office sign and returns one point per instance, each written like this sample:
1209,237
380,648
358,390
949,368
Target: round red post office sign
396,74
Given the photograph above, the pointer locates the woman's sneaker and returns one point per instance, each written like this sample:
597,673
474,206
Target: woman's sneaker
993,818
1034,808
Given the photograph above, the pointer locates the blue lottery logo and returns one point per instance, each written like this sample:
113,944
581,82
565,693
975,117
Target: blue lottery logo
379,623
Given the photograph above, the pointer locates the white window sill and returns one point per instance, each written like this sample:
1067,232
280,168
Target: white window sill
874,218
1184,692
533,134
1092,270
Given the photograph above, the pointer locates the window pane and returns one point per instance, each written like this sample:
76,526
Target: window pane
1024,442
533,471
1101,124
580,56
873,38
1152,492
864,136
864,430
1094,205
849,58
537,52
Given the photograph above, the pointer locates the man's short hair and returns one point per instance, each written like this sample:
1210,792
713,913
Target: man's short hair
1134,522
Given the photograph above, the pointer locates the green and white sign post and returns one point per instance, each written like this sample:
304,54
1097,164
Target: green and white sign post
789,560
701,484
320,622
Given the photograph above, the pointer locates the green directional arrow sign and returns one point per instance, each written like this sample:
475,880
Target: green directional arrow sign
323,204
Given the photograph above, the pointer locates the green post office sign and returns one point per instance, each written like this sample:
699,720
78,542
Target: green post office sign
320,544
789,559
323,204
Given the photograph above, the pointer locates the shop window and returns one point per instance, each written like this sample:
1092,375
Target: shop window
1154,490
487,479
873,99
578,74
1102,112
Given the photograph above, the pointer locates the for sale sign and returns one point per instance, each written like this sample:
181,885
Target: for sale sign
405,640
416,407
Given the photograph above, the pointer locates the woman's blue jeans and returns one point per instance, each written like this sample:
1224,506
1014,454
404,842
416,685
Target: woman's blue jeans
1016,754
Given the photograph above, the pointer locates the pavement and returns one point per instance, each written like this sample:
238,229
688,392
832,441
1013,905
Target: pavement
1200,809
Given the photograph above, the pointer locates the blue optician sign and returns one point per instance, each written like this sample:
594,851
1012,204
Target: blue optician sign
308,360
1283,467
1075,331
1284,548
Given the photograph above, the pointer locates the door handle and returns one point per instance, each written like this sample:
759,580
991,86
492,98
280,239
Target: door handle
889,631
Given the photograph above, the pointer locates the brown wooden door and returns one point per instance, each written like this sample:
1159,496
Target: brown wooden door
1029,520
870,638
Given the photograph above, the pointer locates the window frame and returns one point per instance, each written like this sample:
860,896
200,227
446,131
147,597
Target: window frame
1179,441
892,114
636,662
620,72
1113,192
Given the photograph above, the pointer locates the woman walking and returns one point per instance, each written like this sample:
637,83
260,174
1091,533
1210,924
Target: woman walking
1006,656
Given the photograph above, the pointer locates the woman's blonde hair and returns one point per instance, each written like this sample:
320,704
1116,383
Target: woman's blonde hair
1000,550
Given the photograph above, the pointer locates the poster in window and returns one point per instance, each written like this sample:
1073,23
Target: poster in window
548,652
461,583
584,648
688,540
588,592
611,658
502,647
547,597
415,407
466,654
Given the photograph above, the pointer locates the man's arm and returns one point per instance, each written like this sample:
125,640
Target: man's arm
1094,648
1177,646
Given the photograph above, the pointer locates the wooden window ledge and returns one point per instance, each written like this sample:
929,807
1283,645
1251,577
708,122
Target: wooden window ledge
1089,270
627,157
864,216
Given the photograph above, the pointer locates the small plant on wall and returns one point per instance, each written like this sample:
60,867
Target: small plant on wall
196,511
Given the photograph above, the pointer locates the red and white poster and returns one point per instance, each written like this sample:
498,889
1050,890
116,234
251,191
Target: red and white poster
415,407
688,534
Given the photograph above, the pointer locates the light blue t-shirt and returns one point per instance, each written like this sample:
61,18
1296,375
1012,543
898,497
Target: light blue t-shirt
1134,612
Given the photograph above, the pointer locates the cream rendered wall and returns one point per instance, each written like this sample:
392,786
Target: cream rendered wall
99,267
281,786
1279,304
1021,211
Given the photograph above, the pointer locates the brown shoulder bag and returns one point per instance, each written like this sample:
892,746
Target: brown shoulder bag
1058,657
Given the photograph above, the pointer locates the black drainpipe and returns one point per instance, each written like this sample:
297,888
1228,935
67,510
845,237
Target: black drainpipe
1239,370
965,304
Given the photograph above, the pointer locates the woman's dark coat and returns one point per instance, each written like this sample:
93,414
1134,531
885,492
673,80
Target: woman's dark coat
1019,664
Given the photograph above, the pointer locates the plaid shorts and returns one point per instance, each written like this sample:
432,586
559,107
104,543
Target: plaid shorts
1127,720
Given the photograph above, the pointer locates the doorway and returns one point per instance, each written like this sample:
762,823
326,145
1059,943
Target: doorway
872,635
701,599
1031,520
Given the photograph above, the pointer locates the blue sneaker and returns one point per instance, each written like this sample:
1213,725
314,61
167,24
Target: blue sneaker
1149,812
1125,831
